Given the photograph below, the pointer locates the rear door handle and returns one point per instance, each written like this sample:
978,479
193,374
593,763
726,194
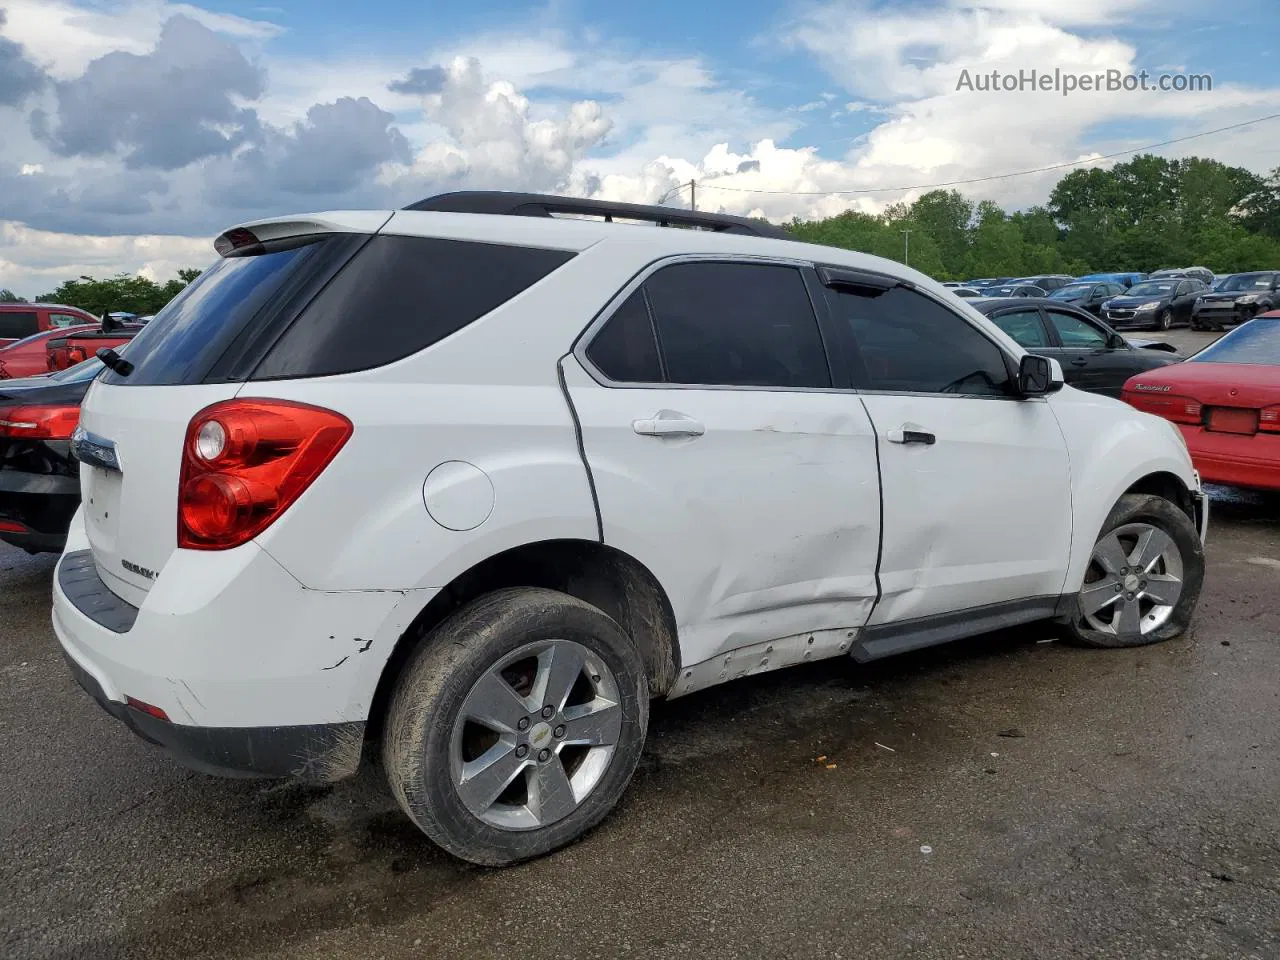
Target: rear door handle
669,424
905,434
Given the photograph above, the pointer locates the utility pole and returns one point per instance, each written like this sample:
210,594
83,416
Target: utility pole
693,195
906,248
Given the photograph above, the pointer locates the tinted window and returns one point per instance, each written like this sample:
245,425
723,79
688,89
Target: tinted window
1074,332
16,324
909,343
1257,341
625,348
1024,326
737,324
1184,288
193,329
399,295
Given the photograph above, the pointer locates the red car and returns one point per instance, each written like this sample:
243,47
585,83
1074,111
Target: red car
21,320
1226,402
30,357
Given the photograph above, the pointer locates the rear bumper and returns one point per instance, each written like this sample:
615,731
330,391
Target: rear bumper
319,752
42,505
257,675
1252,462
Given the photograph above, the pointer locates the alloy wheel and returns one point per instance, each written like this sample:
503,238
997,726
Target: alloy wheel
535,735
1134,580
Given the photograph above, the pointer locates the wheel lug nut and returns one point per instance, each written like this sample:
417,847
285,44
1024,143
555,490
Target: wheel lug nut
548,712
544,756
559,731
522,751
1128,596
1118,588
523,723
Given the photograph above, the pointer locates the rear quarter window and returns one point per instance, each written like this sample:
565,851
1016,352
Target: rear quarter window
399,295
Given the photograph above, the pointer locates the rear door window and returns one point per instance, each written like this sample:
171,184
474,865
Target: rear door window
626,349
1076,333
1024,326
737,324
17,324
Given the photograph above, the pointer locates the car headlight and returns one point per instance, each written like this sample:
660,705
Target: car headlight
1248,298
1147,306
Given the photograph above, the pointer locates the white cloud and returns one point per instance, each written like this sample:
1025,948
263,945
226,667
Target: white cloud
34,262
541,107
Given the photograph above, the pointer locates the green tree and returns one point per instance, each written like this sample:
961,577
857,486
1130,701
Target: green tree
123,292
8,296
1259,210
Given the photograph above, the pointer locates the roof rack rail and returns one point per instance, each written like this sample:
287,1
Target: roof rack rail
504,203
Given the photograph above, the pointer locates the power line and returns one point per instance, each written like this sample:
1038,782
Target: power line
710,185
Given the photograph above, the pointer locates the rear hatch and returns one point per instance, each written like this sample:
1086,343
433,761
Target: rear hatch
199,350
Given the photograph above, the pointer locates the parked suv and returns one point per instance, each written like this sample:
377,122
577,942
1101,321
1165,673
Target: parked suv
470,484
21,320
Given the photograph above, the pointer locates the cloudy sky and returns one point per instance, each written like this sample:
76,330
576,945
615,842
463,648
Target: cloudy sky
131,131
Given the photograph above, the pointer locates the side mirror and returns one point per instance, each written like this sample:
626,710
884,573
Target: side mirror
1038,376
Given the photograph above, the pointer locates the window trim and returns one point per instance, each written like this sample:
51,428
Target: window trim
805,268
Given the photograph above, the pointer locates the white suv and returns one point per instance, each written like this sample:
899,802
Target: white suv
470,483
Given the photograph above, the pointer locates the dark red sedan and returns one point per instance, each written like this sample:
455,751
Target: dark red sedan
1226,401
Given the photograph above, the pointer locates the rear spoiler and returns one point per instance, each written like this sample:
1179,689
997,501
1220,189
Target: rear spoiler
250,239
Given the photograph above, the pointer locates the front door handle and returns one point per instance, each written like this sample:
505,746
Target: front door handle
668,423
1079,362
908,434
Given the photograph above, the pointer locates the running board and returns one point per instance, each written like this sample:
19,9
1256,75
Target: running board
888,639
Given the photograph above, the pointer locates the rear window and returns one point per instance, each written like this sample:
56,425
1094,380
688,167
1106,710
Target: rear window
17,324
399,295
1257,341
185,339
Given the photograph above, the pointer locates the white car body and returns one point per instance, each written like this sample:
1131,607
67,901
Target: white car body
791,527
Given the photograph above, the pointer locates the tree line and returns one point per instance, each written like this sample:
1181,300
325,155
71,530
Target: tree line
124,292
1141,215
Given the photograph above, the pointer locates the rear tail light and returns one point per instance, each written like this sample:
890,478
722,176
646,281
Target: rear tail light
1170,406
245,462
52,422
4,374
1269,419
12,526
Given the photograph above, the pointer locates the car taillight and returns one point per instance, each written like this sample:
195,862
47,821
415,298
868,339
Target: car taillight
4,374
1269,419
1170,406
51,422
245,461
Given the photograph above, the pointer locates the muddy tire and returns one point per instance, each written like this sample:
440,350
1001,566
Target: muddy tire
1144,577
516,725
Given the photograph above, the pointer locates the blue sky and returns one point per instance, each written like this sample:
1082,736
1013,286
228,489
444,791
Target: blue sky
135,129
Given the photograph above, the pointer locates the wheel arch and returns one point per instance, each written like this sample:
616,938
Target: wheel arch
598,574
1162,479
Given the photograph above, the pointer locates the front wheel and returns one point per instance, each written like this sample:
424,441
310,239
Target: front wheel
516,725
1165,320
1144,576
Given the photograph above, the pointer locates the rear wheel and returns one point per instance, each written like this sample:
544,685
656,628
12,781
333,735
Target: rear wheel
516,725
1144,576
